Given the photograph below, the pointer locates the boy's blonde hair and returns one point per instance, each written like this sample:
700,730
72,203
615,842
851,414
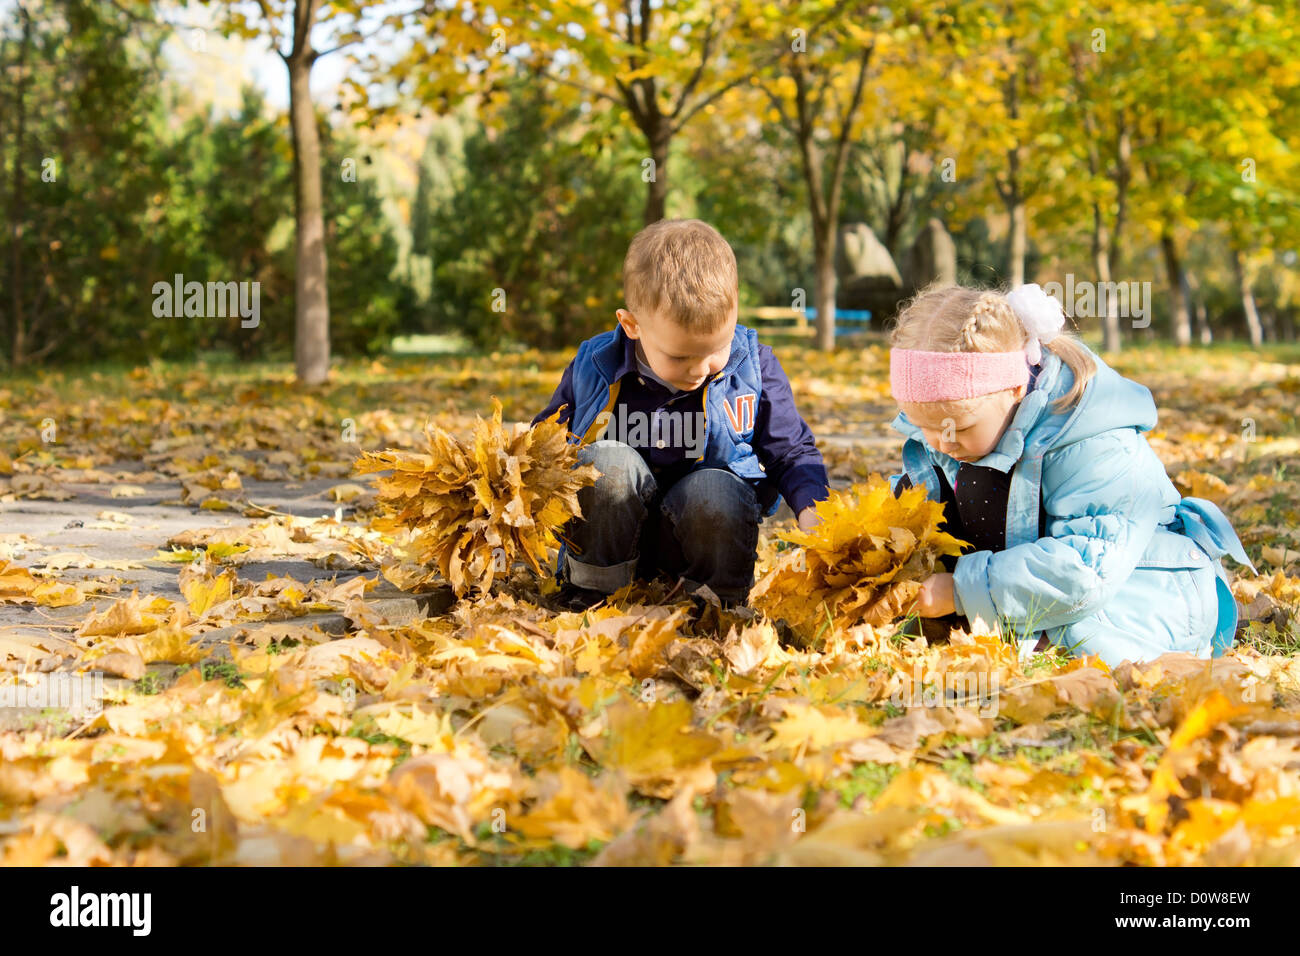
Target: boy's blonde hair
955,318
684,269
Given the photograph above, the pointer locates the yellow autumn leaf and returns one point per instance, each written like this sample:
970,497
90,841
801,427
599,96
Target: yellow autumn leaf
862,563
203,593
1212,710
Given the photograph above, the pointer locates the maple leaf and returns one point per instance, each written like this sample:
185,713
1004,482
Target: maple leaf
863,563
471,509
19,586
572,809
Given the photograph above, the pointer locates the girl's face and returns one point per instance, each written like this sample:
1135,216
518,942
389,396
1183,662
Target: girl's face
968,430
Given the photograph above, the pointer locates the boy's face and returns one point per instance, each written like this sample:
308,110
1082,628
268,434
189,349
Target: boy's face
966,431
682,358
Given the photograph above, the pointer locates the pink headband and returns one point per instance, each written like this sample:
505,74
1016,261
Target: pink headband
947,376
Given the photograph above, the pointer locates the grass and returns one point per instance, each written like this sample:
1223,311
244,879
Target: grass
867,781
367,731
151,683
222,670
58,720
495,849
1269,639
452,344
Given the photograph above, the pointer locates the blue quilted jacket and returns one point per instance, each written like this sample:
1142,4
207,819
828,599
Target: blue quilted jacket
1129,569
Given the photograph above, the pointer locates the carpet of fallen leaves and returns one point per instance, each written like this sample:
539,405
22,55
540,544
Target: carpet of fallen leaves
647,731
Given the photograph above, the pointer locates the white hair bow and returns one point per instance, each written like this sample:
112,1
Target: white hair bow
1040,314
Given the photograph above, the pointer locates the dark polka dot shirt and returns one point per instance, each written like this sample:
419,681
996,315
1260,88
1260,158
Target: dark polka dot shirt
976,511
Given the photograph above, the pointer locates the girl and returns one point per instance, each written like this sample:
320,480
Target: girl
1035,446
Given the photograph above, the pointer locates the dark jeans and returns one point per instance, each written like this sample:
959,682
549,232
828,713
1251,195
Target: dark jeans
703,529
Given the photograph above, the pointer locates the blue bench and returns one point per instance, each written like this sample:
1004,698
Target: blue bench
798,322
846,320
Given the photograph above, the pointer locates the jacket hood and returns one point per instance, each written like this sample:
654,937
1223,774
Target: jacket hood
1110,401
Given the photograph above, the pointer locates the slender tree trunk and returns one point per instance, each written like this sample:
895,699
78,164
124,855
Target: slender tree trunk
1253,324
311,345
824,294
1101,262
1019,240
1196,302
1115,235
1268,323
1180,317
656,198
1014,199
824,206
18,339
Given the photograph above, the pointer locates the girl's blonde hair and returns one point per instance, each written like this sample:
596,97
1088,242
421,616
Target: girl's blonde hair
954,318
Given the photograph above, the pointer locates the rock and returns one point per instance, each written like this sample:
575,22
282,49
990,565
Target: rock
867,276
862,262
404,607
932,258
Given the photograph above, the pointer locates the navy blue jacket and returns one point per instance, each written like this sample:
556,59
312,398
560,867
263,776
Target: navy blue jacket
750,424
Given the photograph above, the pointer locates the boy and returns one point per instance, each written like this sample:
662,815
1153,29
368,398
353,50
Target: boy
691,423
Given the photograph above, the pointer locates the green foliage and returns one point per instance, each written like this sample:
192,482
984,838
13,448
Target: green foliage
135,194
536,212
76,160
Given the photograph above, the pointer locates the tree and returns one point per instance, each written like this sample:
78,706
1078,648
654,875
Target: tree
1010,83
657,65
76,160
528,230
291,27
817,96
1104,63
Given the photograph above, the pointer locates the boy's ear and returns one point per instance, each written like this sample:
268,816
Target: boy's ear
629,323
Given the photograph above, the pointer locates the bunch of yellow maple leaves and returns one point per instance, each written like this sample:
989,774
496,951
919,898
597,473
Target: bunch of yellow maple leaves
863,563
468,511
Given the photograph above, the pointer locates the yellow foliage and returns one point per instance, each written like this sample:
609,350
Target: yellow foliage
863,563
473,507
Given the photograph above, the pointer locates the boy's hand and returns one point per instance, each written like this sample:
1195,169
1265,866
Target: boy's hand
936,597
807,519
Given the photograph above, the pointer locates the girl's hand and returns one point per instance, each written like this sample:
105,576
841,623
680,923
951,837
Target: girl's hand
807,519
936,597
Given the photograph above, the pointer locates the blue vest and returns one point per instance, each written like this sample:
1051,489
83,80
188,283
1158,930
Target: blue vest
595,393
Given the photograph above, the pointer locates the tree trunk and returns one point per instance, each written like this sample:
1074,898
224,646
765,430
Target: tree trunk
1018,240
1268,323
1180,318
824,294
656,197
1014,199
311,344
824,207
18,339
1101,253
1253,324
1196,304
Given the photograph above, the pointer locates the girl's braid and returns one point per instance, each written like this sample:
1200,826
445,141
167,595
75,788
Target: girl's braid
984,313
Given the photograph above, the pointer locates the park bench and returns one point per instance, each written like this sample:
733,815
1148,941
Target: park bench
802,321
